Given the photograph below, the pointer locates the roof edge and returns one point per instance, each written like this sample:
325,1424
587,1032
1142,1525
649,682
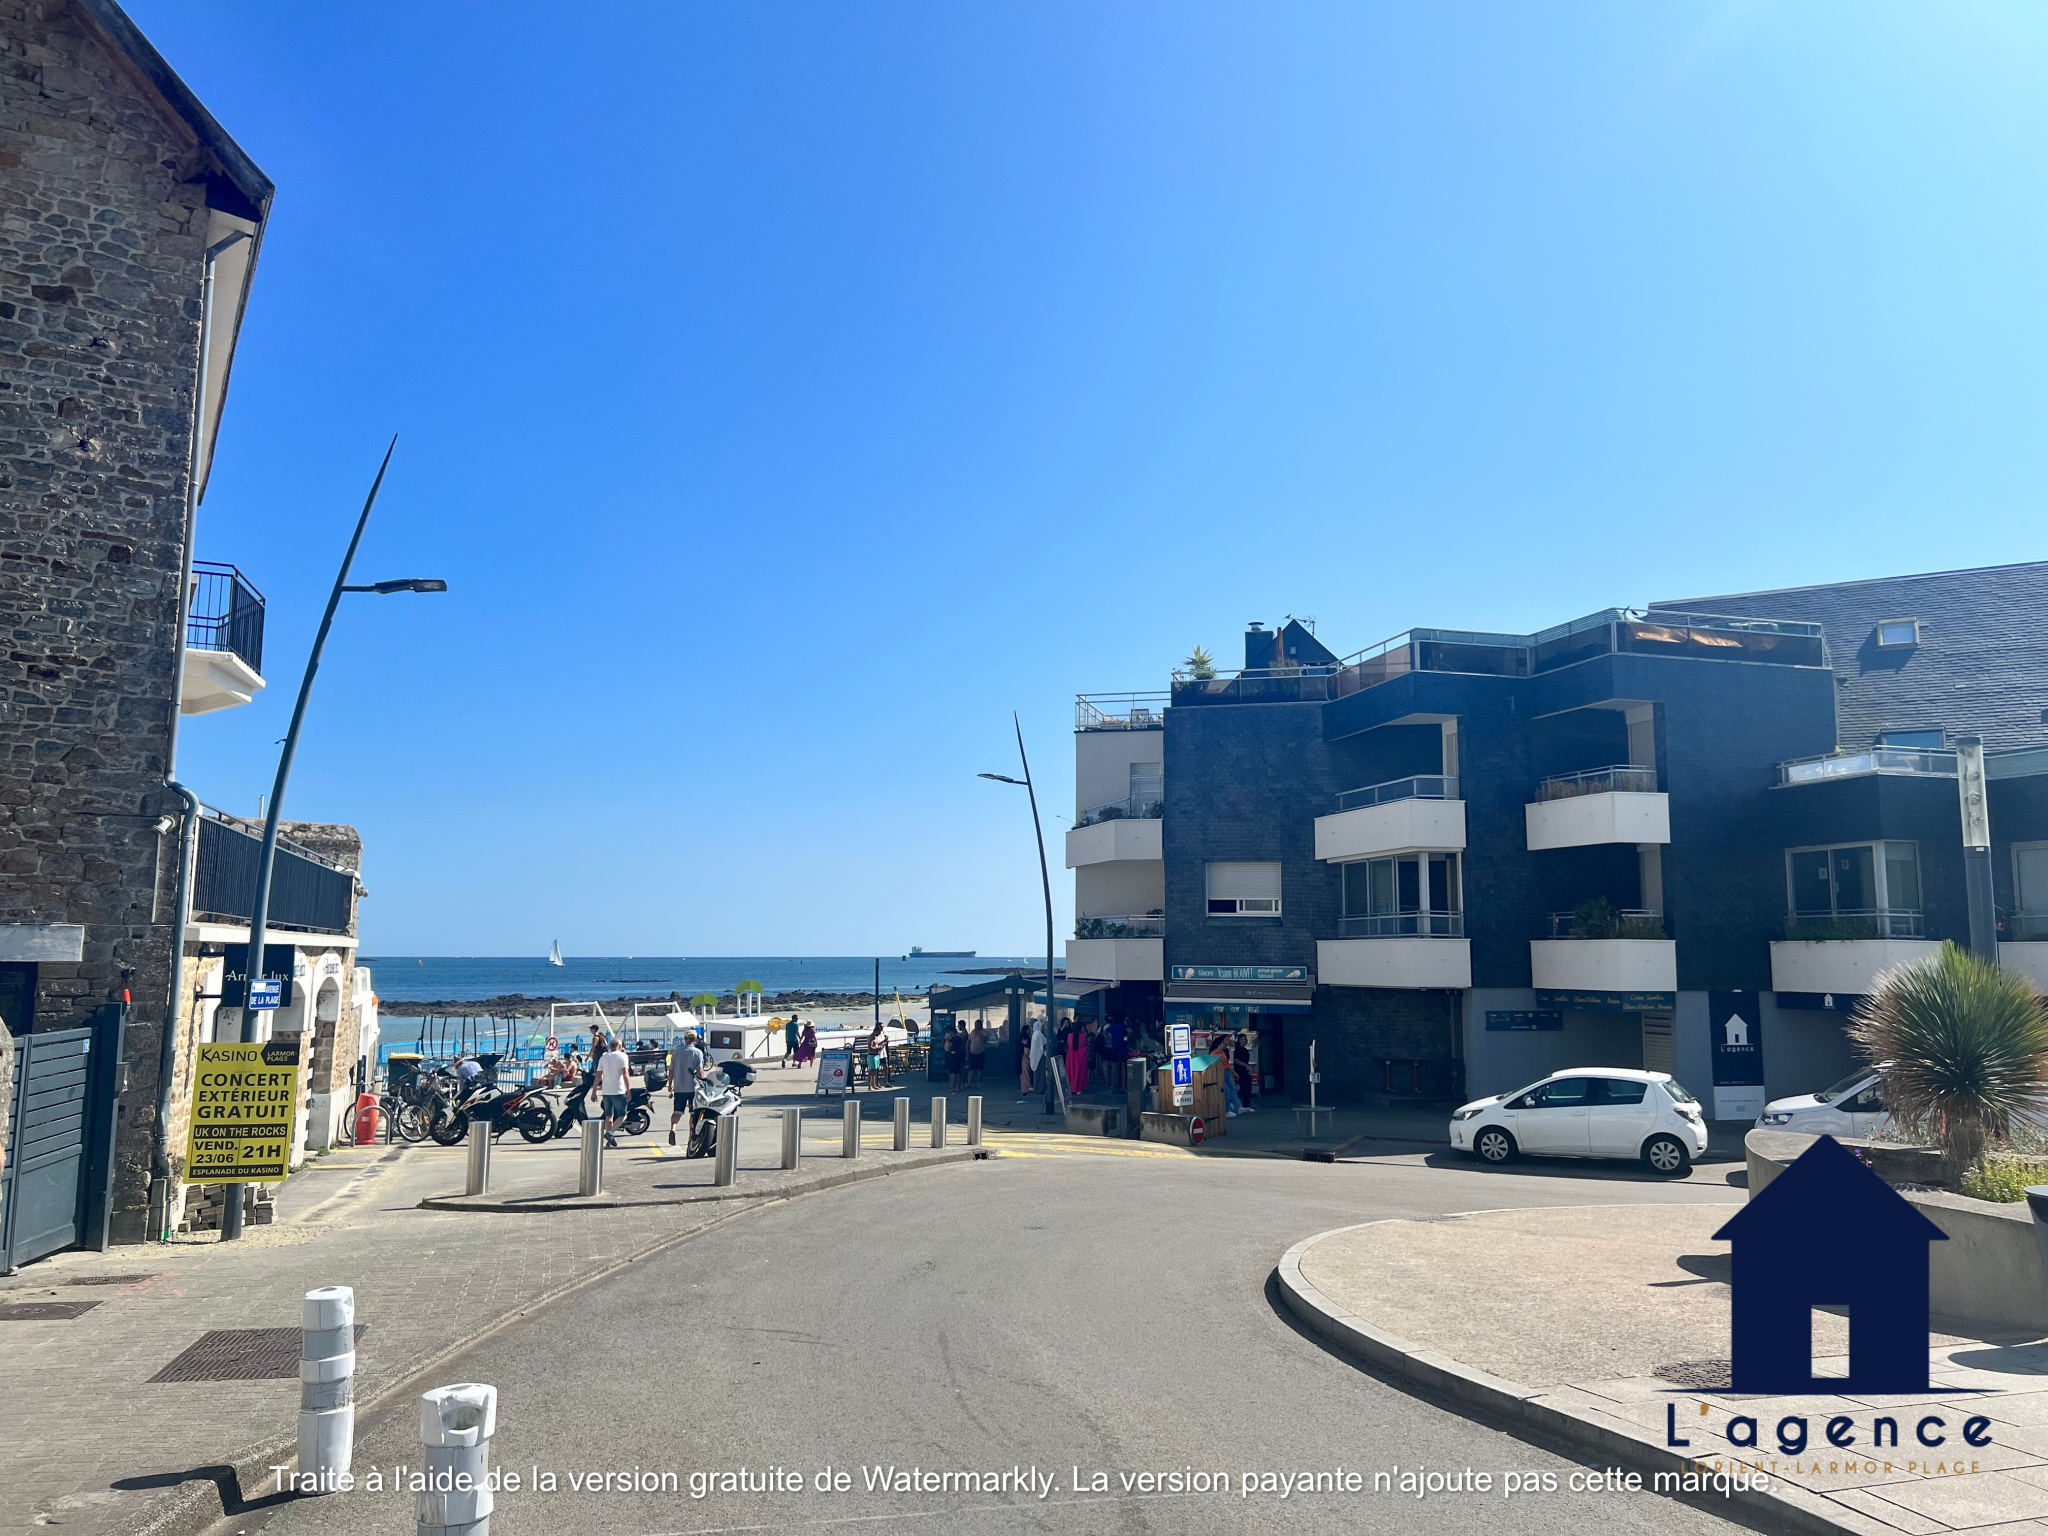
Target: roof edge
1865,581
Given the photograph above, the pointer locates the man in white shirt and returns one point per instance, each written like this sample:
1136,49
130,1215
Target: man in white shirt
612,1071
685,1067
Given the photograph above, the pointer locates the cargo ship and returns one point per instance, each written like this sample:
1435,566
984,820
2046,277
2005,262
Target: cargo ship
938,954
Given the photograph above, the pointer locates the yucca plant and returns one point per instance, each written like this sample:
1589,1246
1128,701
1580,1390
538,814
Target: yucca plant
1966,1044
1201,666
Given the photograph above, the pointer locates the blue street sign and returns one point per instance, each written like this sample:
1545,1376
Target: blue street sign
1182,1040
1183,1071
265,992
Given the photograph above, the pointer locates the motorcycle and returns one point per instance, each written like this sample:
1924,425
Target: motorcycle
717,1098
639,1106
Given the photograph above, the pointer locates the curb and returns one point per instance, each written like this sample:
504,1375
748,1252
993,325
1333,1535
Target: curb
471,1204
224,1488
1781,1507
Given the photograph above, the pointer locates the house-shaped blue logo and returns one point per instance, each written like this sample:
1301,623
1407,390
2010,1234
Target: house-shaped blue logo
1829,1232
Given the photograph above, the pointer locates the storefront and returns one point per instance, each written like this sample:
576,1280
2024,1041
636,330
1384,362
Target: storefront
1253,1002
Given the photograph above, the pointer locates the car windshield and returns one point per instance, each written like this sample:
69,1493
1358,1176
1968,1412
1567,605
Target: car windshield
1854,1080
1678,1094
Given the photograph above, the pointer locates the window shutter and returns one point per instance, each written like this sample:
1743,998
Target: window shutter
1256,881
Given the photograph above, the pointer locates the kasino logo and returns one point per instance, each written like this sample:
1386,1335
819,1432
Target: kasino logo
1828,1232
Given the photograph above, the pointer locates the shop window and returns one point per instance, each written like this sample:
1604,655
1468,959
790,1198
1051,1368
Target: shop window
1243,890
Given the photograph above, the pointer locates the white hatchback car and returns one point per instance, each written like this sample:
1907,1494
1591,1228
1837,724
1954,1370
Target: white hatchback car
1588,1112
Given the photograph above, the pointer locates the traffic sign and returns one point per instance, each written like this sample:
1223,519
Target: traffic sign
1183,1040
1183,1096
1183,1071
554,1045
1195,1130
243,1101
265,992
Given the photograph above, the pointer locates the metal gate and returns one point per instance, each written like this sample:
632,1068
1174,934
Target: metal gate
54,1189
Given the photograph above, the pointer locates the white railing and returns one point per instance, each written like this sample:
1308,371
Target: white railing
1400,925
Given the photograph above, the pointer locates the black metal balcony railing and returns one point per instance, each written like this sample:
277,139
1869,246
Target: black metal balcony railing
1631,778
225,614
1400,925
1423,786
307,892
1144,925
1605,922
1863,923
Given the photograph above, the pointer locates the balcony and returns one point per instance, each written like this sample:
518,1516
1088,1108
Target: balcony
1116,958
1620,804
1917,762
223,640
1120,837
1398,925
1405,960
1601,949
308,893
1396,817
1137,925
1843,953
2028,953
1146,802
1119,711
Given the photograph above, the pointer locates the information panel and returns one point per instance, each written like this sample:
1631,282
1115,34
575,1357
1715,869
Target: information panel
242,1107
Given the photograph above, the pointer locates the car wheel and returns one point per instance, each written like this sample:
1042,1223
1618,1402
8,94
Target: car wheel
1667,1155
1494,1145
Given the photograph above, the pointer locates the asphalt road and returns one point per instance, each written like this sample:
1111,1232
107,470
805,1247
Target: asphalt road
1064,1306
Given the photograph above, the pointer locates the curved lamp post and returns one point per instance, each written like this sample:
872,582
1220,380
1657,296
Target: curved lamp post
1045,880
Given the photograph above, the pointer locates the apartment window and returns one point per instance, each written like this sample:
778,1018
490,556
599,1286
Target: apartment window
1926,741
1857,885
1243,890
2029,920
1411,893
1898,632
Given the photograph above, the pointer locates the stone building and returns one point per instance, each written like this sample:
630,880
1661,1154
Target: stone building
118,193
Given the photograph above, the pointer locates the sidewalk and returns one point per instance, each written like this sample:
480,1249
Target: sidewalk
1607,1327
89,1442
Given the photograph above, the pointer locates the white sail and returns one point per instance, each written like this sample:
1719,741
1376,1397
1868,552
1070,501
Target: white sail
555,953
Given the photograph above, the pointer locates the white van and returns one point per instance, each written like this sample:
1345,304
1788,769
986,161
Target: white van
1852,1107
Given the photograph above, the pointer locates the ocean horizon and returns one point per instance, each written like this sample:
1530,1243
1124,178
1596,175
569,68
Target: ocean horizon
399,978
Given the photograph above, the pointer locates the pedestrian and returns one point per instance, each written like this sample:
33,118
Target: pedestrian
613,1071
977,1053
1024,1078
1115,1051
791,1037
956,1058
878,1058
807,1046
685,1067
1241,1068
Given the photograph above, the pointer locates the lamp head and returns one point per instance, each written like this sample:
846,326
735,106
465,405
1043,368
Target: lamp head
411,584
1000,778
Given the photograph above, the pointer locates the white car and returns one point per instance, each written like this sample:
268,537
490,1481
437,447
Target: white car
1588,1112
1853,1107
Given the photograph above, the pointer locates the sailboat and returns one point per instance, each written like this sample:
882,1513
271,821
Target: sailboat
555,953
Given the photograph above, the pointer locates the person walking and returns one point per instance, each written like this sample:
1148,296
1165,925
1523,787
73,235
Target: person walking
1241,1068
878,1058
977,1053
792,1037
613,1070
807,1046
685,1067
1025,1081
956,1058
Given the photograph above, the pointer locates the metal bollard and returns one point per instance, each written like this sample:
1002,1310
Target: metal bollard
938,1122
849,1139
792,1137
590,1172
725,1166
974,1120
479,1158
456,1425
327,1410
902,1125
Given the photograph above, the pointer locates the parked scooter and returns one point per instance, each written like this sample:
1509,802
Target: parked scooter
717,1098
639,1106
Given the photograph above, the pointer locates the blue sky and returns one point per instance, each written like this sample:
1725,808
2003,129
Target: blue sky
788,392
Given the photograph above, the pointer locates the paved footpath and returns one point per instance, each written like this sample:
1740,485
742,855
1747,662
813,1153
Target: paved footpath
89,1444
1613,1335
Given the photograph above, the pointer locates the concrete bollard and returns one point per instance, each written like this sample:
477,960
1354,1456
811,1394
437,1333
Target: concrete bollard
725,1166
902,1125
479,1158
456,1425
327,1367
849,1137
938,1122
974,1120
792,1137
590,1166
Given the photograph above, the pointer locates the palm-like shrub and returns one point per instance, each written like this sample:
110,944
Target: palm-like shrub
1967,1044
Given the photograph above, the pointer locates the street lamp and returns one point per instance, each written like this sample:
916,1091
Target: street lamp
1045,880
259,919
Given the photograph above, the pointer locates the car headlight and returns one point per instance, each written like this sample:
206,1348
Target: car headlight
1464,1114
1779,1117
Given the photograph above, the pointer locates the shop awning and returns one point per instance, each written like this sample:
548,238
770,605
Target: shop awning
1068,991
1242,996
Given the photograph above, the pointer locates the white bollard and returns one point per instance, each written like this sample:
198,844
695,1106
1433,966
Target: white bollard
327,1410
456,1425
902,1125
938,1122
590,1168
849,1135
792,1137
974,1120
725,1167
479,1158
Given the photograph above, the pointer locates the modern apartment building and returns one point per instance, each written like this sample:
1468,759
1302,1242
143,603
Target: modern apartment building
119,192
1688,837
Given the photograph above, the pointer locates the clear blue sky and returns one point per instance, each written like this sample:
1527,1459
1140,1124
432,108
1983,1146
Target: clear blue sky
787,392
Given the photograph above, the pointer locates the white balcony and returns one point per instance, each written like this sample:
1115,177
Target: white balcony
1399,826
217,680
1127,837
1849,966
1604,965
1603,805
1394,962
1116,959
2030,959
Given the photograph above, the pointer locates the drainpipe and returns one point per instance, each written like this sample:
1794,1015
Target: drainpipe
188,835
